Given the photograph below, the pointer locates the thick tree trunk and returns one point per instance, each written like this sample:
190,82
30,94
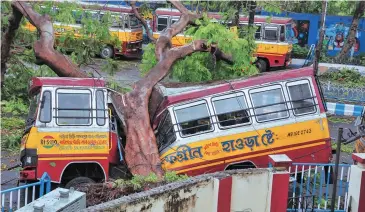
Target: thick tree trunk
7,40
359,12
141,150
43,48
251,14
320,40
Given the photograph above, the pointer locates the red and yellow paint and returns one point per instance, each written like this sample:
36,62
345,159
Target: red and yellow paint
302,141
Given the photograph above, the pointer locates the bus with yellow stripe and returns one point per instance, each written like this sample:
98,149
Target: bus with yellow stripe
237,124
126,28
274,43
74,134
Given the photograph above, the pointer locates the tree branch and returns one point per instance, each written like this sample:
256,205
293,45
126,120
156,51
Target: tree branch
141,19
164,41
43,48
7,40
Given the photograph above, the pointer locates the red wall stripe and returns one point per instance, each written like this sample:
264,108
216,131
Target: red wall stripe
279,193
362,193
224,195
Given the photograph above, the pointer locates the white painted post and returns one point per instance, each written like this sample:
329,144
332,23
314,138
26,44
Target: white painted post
356,192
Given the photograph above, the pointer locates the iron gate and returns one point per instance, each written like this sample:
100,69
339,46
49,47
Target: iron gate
311,187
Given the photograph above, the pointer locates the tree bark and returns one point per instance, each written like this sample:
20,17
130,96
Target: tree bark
320,40
359,12
141,151
251,14
7,40
43,48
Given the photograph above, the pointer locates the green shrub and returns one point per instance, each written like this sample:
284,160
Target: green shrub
346,77
299,52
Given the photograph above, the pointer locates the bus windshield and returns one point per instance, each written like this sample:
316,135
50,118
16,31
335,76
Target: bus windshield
133,21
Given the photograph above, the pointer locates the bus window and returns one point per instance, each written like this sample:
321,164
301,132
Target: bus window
270,33
73,108
100,108
133,21
174,20
193,119
282,33
161,23
166,134
231,110
45,114
258,32
269,104
301,98
77,16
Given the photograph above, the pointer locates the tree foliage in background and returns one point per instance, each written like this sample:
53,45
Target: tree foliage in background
199,66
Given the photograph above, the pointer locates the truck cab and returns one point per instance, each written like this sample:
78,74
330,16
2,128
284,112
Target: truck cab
70,132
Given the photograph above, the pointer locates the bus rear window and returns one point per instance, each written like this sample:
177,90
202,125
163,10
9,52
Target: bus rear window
193,119
231,111
74,108
269,105
302,99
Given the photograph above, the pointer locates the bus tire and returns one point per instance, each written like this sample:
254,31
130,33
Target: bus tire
107,52
261,65
79,181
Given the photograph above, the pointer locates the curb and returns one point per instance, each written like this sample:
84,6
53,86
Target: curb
344,109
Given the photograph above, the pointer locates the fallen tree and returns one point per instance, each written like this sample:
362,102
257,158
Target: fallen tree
141,152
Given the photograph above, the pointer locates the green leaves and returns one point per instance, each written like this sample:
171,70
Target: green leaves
202,66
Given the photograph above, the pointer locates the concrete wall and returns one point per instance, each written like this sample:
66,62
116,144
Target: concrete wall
239,190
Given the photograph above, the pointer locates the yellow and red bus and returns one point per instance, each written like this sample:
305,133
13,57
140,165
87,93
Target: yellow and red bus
74,135
125,27
273,39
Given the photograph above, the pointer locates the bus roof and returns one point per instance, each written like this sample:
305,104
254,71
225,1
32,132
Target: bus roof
37,82
175,93
243,18
112,8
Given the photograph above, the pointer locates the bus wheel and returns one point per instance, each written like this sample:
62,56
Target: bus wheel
107,52
261,65
79,181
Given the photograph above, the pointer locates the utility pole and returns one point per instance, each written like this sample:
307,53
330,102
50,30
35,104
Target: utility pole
321,35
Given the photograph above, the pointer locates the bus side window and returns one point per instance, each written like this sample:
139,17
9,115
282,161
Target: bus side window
193,119
301,98
282,33
258,32
45,114
231,110
270,33
166,134
269,104
161,23
100,108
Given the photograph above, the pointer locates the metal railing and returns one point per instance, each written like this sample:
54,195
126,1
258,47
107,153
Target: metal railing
20,198
338,92
311,188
